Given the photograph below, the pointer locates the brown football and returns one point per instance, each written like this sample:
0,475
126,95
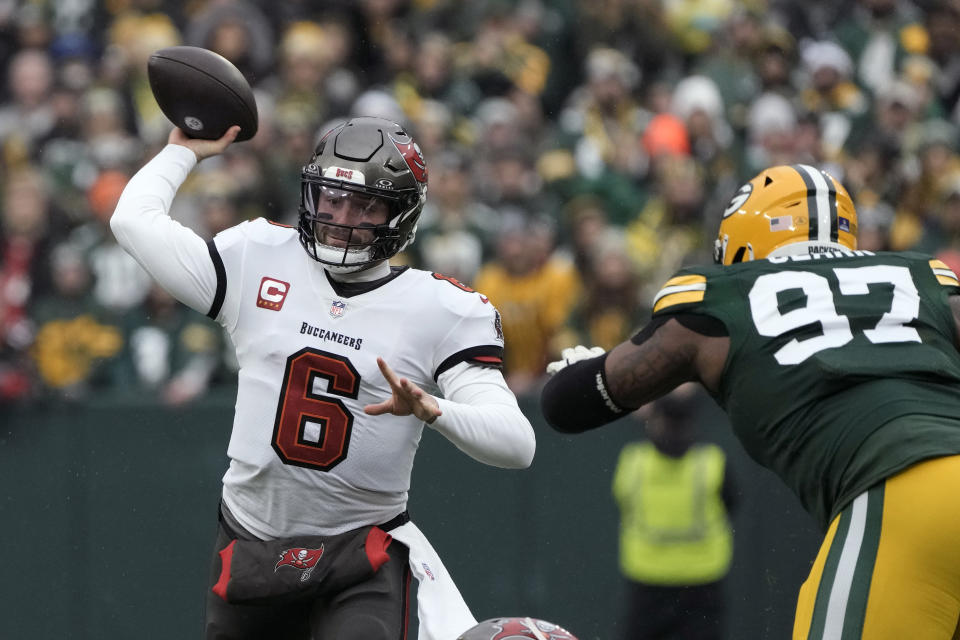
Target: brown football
201,92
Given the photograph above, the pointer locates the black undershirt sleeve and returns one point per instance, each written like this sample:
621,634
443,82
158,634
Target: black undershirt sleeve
576,399
704,325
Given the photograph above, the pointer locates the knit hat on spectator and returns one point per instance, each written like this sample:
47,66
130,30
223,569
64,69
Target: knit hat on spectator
666,134
104,193
771,113
603,63
818,55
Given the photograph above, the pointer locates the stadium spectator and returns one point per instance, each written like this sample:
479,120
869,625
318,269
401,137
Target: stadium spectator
878,35
119,283
829,92
668,232
585,224
108,143
771,131
29,116
938,168
76,342
26,238
169,352
602,117
697,101
608,311
534,288
239,32
942,20
313,75
457,231
133,37
730,65
433,76
775,62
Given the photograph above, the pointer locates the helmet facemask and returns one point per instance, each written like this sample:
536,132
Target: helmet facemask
361,195
370,231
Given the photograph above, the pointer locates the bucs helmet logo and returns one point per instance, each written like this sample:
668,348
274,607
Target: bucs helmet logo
413,157
300,558
523,629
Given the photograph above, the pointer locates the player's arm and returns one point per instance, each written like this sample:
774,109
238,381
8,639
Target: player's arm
177,258
478,413
481,417
667,352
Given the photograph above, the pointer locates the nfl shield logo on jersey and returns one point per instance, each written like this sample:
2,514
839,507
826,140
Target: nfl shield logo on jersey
336,308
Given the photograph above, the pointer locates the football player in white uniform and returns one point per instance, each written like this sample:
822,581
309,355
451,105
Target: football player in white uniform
343,359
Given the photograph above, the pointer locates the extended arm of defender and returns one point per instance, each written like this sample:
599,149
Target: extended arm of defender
591,393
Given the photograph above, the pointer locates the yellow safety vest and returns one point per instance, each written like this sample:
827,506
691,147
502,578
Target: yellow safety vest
674,528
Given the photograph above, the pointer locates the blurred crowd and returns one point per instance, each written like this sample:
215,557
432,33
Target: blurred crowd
579,152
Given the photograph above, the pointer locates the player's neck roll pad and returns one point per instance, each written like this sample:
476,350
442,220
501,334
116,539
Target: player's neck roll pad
291,569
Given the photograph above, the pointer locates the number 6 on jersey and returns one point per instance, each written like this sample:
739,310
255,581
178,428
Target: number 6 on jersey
328,420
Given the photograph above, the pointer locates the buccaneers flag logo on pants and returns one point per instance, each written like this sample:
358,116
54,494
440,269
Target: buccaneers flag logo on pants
300,558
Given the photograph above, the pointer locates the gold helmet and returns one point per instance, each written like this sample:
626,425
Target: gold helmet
786,210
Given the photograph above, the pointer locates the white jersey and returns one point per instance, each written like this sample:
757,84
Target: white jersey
308,366
305,458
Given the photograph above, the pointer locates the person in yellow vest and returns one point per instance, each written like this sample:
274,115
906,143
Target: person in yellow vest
676,542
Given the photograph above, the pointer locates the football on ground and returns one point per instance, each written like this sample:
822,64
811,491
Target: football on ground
201,92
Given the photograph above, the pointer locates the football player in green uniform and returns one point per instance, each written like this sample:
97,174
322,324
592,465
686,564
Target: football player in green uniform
840,371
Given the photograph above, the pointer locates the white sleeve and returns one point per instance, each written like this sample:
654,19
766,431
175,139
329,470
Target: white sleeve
176,257
481,417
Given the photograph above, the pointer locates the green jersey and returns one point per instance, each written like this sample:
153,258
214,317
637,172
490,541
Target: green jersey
843,368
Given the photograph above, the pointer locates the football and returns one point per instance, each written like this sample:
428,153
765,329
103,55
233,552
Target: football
201,92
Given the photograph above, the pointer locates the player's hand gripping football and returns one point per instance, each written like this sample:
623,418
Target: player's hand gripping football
204,148
573,354
407,398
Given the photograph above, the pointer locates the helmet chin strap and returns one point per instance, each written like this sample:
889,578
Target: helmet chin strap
358,272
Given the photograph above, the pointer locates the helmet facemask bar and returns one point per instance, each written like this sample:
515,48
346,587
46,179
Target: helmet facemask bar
350,247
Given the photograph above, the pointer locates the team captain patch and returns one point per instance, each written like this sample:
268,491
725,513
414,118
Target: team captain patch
272,293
